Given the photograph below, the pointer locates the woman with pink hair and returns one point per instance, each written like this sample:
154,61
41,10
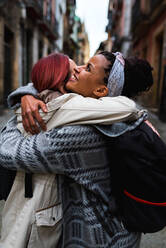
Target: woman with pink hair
36,221
22,217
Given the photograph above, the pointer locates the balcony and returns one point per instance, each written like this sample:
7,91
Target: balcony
120,3
154,4
34,7
137,15
2,2
49,25
55,27
71,2
109,25
40,2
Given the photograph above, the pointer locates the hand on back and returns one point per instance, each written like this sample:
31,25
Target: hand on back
31,118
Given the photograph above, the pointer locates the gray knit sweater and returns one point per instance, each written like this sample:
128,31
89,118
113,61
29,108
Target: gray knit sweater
80,157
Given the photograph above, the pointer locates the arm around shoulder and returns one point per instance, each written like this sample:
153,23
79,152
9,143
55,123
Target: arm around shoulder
14,99
106,111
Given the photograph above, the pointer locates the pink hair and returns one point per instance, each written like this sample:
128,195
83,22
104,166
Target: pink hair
49,71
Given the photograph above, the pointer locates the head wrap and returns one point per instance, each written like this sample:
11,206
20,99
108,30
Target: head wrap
116,77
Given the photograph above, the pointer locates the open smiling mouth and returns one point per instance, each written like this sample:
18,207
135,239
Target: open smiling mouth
73,78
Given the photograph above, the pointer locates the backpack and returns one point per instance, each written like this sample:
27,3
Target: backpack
138,169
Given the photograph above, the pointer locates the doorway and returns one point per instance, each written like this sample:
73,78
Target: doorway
8,54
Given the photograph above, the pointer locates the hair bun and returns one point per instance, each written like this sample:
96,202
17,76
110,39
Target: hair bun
138,76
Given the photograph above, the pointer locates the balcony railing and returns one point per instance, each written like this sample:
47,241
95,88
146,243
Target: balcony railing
36,5
50,25
155,3
71,2
2,2
40,2
137,14
109,26
55,27
48,18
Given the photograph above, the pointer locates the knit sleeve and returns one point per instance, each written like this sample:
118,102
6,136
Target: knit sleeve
61,150
14,99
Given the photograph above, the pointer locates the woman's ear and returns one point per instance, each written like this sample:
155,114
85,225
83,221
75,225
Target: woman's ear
101,91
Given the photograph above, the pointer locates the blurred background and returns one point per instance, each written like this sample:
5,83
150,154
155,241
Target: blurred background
31,29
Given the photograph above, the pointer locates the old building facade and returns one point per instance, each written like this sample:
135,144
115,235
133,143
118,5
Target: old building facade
119,26
149,42
31,29
28,31
138,27
60,12
76,43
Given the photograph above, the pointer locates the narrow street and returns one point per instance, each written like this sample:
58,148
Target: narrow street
155,240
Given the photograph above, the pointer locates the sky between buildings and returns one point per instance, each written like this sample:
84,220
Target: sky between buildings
94,14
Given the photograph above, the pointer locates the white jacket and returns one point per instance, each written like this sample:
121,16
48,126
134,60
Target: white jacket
74,109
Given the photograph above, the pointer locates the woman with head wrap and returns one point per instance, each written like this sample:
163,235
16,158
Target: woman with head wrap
78,154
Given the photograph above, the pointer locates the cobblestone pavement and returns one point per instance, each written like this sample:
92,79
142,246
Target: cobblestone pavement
156,240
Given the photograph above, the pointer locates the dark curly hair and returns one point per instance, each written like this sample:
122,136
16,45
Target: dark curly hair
138,74
111,58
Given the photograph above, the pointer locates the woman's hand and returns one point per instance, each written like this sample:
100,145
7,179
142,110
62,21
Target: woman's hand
30,114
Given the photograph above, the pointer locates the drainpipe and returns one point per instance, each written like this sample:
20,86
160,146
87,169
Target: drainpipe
110,38
162,110
23,10
127,28
23,42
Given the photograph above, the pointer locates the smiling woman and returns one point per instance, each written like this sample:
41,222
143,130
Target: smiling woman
79,155
88,80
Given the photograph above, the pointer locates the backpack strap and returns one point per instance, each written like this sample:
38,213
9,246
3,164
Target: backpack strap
28,185
152,127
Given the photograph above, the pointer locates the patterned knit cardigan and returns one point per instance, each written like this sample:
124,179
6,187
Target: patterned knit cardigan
80,157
